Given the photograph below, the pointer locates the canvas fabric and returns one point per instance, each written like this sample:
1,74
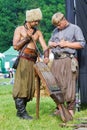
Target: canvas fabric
66,79
24,84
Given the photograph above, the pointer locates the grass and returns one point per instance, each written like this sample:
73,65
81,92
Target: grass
9,121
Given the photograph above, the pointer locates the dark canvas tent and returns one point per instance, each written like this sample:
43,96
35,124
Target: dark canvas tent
76,13
10,54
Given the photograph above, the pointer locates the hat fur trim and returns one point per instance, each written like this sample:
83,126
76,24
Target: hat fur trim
33,15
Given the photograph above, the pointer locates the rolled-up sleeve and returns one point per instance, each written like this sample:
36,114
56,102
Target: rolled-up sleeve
79,36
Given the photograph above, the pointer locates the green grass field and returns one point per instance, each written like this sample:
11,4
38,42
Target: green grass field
9,121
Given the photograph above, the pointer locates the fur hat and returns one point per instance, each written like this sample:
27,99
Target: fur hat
33,15
57,17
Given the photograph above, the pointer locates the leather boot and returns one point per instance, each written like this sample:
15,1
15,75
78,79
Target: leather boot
18,113
21,109
25,102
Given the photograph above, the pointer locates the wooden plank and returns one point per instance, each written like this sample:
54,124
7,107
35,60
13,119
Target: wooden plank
46,76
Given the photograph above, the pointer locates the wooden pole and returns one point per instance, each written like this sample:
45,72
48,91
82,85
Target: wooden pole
37,95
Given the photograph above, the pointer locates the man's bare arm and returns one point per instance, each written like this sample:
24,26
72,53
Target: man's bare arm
45,47
17,42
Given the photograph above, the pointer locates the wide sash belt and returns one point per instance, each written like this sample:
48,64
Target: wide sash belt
63,55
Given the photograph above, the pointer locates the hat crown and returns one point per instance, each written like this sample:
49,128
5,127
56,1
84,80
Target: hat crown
33,15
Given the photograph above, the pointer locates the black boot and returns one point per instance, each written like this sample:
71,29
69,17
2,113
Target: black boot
18,113
25,102
21,109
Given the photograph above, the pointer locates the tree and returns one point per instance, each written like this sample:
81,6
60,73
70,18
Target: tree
13,14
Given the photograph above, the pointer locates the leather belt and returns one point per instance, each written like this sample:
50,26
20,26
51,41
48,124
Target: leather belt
63,55
29,56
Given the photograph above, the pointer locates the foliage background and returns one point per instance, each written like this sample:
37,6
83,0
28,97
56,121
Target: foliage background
12,14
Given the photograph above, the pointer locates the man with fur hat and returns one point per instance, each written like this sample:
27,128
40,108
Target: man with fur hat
65,40
24,40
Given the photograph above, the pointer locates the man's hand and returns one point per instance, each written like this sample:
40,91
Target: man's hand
63,43
53,44
30,32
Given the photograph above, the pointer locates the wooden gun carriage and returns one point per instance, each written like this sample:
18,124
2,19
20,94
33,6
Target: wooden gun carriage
43,72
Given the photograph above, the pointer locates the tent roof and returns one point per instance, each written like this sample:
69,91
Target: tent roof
2,55
10,51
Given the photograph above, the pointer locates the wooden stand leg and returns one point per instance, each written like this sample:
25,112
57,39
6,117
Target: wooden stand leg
64,113
37,95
